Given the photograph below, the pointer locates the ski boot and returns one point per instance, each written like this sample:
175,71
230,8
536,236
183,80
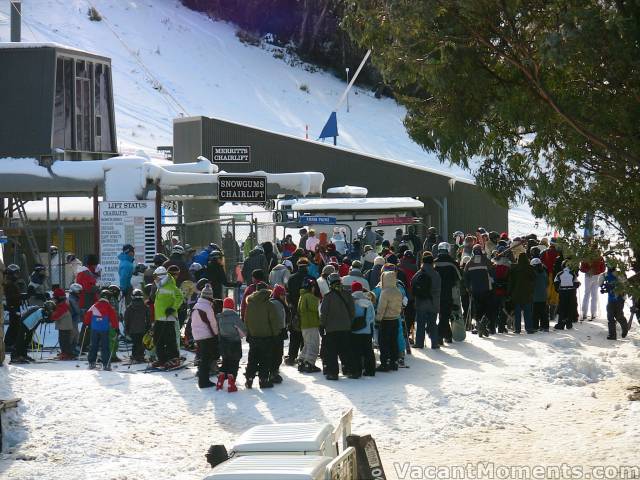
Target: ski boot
276,378
266,383
248,384
310,368
232,384
220,383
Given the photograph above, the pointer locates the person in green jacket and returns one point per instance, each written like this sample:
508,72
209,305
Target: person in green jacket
263,328
168,299
309,314
521,283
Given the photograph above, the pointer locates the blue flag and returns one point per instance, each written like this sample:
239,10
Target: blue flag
330,128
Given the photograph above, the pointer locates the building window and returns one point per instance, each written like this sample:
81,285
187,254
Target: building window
102,108
63,105
83,106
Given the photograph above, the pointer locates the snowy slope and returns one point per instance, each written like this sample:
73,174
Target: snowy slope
210,72
543,399
204,68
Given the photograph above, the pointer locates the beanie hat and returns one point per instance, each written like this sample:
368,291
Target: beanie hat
278,291
379,261
207,292
229,303
392,259
477,249
59,293
334,278
328,270
356,287
535,261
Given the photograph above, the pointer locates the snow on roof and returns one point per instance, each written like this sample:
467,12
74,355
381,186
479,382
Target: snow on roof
60,46
284,437
349,190
359,204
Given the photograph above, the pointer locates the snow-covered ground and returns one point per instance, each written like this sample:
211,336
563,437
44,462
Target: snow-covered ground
542,399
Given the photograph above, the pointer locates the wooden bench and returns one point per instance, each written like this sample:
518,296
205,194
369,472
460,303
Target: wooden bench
4,405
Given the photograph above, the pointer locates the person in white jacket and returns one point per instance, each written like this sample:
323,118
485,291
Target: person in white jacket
323,282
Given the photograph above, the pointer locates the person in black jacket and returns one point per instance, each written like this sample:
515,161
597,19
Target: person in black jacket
177,259
14,288
215,273
293,293
450,275
137,320
270,255
255,261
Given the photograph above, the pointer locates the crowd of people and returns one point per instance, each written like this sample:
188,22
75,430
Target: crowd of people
334,300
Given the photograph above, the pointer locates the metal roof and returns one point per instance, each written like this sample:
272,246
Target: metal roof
58,46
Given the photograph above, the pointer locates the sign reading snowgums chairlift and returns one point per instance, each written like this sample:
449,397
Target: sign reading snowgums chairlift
231,154
242,188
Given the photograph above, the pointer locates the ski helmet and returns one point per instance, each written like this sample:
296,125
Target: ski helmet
127,248
195,267
115,290
13,269
215,255
53,249
444,247
308,283
137,293
159,259
160,272
49,306
334,278
173,270
179,249
75,288
201,283
148,288
105,293
140,268
38,267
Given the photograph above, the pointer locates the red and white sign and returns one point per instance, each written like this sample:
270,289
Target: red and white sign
396,221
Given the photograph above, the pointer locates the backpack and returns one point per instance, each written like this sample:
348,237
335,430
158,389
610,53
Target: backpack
421,285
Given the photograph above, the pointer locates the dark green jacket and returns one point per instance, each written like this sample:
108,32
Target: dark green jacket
522,281
261,316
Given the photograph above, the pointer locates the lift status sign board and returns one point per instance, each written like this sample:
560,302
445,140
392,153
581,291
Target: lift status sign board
122,222
242,188
220,154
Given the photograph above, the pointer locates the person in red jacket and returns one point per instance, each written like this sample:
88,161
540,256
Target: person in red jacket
592,270
101,316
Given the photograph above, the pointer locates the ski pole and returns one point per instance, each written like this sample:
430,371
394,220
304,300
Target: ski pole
84,334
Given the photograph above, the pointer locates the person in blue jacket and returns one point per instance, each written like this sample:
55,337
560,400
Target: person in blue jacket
362,338
126,268
615,305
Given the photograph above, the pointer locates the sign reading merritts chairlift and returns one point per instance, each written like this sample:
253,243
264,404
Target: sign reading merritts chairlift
230,154
242,188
